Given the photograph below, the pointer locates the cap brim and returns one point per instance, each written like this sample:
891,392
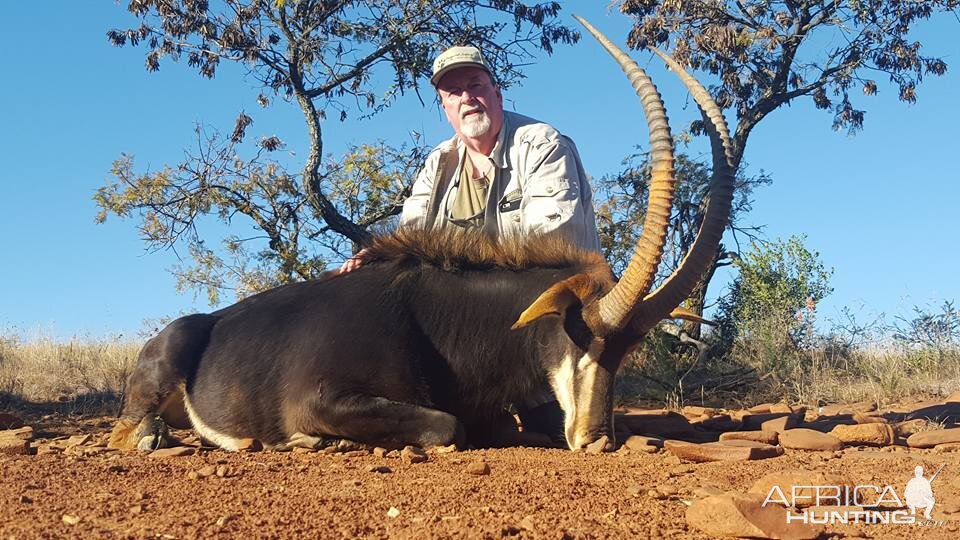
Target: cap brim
446,69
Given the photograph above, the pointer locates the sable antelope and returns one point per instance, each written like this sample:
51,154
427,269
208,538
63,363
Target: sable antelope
426,343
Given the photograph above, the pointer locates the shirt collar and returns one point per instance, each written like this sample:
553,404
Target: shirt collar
499,153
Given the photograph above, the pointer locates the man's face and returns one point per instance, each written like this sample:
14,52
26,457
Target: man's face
472,103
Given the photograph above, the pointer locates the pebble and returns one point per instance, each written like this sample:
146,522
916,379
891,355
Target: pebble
380,452
382,469
598,446
25,499
393,512
176,451
249,445
413,454
70,519
478,468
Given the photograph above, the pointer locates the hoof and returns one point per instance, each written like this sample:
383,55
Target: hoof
151,433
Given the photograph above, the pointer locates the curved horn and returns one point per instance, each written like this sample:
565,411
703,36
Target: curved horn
681,283
617,306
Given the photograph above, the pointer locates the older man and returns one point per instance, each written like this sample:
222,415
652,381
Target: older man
503,173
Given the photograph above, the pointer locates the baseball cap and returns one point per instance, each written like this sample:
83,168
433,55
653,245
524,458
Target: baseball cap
455,57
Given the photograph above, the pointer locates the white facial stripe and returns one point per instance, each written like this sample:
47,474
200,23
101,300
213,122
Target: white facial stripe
206,432
573,382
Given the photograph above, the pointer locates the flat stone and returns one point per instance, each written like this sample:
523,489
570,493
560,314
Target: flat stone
929,439
725,451
808,439
656,422
766,437
789,482
639,442
78,440
781,408
176,451
598,446
413,454
13,446
864,434
24,433
947,448
783,423
754,421
736,515
862,418
703,492
909,427
694,411
9,421
762,408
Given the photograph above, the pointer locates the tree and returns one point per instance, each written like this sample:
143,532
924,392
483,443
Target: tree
329,57
767,53
620,215
764,53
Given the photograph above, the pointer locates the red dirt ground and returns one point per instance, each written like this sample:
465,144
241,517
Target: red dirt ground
529,493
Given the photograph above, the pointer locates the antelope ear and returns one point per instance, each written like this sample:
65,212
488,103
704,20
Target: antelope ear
556,300
687,315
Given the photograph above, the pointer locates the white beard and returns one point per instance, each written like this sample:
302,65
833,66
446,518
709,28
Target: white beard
475,125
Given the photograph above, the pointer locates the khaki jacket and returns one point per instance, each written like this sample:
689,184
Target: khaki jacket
539,185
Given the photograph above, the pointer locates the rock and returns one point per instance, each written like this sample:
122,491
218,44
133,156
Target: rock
781,408
449,449
946,448
910,427
9,421
788,483
725,451
721,423
763,408
24,433
808,439
783,423
136,509
527,523
223,471
733,514
852,408
380,452
176,451
207,471
192,475
864,434
249,445
703,492
78,440
355,453
695,411
381,469
413,454
862,418
639,442
667,490
70,519
655,422
766,437
393,512
929,439
598,446
952,398
478,468
12,446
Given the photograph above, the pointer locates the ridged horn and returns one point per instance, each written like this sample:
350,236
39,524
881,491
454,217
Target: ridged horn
617,307
685,278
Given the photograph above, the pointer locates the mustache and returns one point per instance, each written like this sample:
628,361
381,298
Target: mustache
475,108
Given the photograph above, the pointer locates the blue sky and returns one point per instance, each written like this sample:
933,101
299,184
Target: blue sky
879,207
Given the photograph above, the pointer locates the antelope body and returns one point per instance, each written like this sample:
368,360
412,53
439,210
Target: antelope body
426,343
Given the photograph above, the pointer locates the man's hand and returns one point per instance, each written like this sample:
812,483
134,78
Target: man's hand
354,262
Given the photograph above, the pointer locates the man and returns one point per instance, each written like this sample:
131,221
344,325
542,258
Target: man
503,173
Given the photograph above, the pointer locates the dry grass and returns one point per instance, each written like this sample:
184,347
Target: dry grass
81,374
